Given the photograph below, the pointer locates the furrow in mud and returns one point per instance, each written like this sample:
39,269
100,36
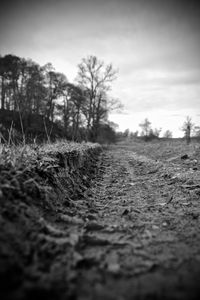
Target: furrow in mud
131,232
148,236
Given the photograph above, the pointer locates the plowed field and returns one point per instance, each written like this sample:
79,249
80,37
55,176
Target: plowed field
133,234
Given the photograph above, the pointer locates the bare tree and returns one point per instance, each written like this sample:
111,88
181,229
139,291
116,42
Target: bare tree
157,132
35,92
9,74
187,129
146,127
56,84
167,134
95,78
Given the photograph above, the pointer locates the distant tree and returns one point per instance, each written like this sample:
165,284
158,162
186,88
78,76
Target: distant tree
156,132
33,93
9,72
146,127
3,83
134,134
76,101
187,129
167,134
153,134
56,84
126,133
95,78
39,99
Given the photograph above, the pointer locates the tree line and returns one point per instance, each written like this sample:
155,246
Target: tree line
190,130
77,111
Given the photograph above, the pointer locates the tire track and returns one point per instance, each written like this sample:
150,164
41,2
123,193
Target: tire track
138,231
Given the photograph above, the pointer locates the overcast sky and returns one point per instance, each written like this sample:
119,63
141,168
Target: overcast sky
155,44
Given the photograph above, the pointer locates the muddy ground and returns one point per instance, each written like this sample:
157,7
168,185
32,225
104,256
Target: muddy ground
134,233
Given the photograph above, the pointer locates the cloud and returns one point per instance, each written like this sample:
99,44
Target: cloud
155,44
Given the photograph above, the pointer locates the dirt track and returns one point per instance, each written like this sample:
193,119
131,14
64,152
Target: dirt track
143,239
135,234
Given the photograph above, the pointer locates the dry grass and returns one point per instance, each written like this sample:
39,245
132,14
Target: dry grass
24,155
34,171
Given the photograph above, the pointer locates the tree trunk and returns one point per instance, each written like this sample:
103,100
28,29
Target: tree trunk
2,93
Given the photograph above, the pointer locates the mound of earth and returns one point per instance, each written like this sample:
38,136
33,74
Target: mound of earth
38,198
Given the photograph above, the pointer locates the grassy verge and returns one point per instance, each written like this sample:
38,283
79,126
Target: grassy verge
38,187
